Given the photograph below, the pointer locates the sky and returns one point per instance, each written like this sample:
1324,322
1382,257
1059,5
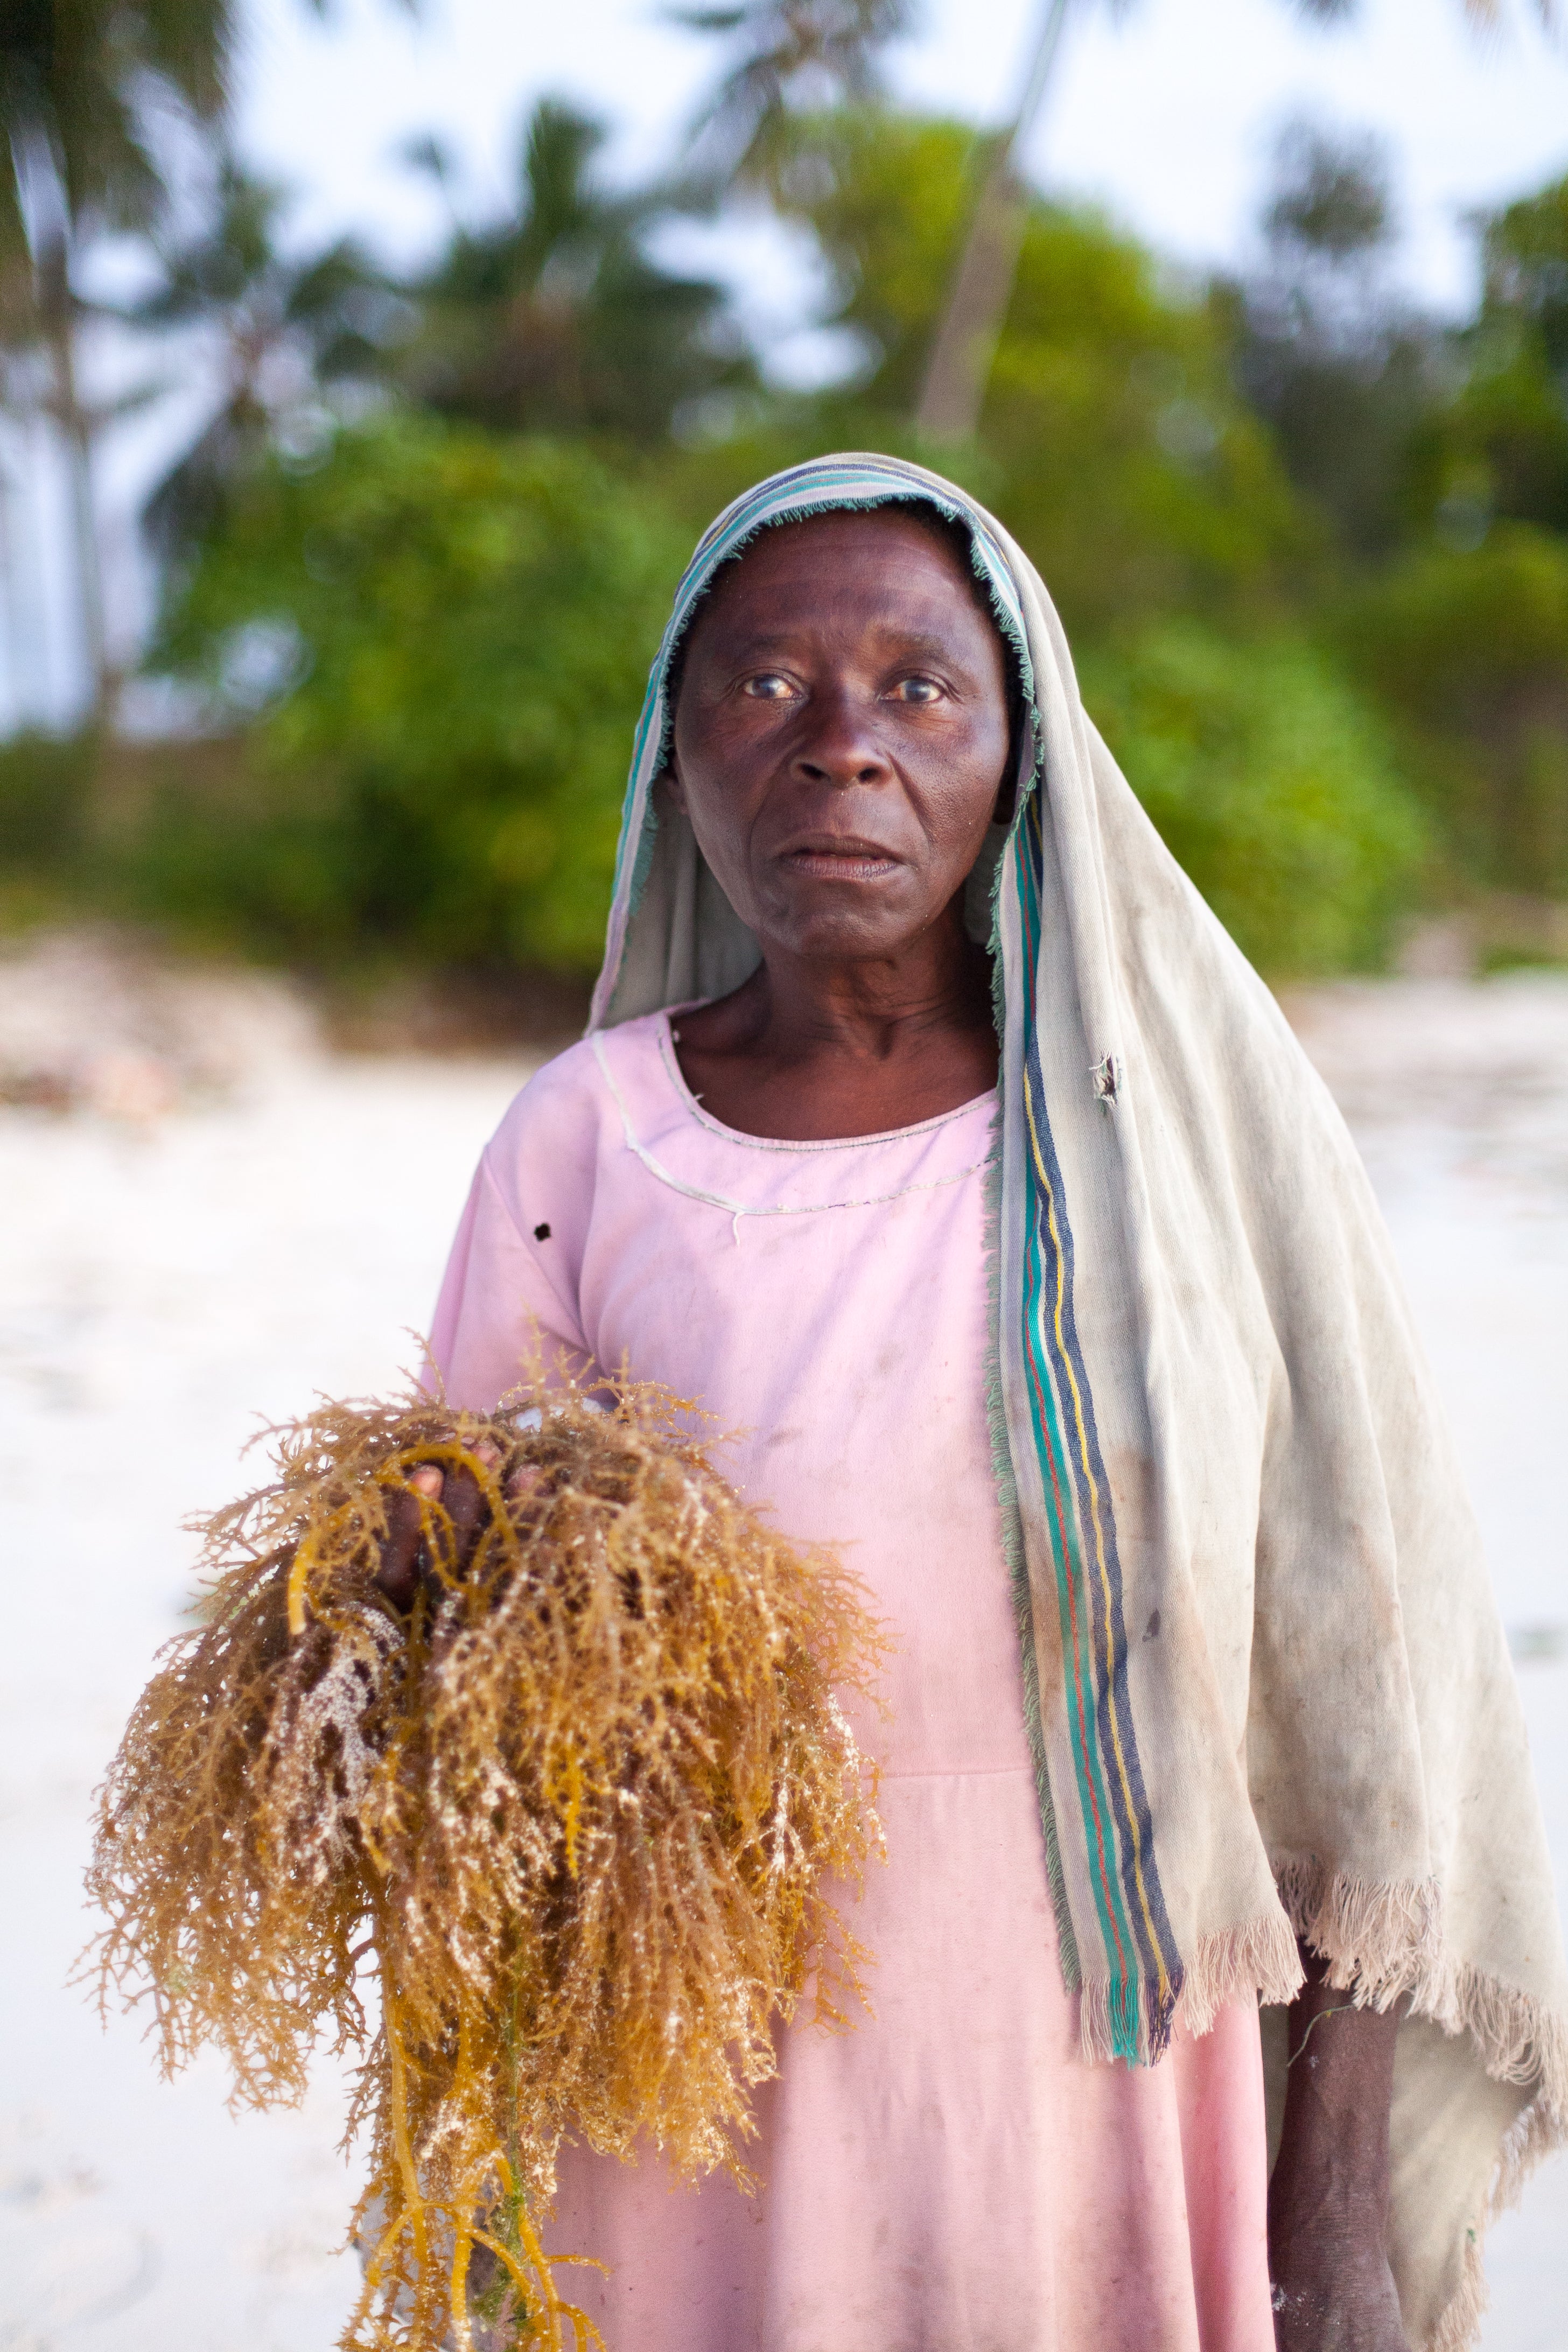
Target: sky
1163,111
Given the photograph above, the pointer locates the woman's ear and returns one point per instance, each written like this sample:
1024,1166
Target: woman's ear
673,786
1020,730
1007,798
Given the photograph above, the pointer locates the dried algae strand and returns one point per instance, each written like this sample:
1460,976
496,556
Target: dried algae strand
576,1811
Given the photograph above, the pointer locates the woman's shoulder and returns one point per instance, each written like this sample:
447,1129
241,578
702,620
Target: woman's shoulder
572,1088
571,1107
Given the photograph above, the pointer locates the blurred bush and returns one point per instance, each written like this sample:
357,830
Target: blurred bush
432,645
1114,443
46,788
45,784
440,638
1272,783
1327,352
1499,446
557,315
1311,546
1467,649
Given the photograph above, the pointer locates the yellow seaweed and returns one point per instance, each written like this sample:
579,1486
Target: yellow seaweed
576,1815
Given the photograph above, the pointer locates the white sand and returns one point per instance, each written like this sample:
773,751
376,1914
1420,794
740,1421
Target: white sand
169,1274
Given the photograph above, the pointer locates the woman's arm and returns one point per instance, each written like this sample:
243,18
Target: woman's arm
1327,2200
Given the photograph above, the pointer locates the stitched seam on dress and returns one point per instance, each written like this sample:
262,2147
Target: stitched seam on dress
777,1143
739,1208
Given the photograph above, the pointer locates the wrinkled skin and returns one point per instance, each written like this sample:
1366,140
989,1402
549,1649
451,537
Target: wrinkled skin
1327,2200
841,744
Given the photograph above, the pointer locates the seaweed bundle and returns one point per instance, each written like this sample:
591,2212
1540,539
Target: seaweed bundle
575,1807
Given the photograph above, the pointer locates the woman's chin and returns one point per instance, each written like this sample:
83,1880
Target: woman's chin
842,939
827,920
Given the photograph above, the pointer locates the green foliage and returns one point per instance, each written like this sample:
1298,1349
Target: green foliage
556,319
291,328
46,788
1469,651
1133,472
1325,348
78,84
427,644
887,196
780,51
44,785
1272,783
413,792
1353,425
451,633
1526,259
1119,451
1504,442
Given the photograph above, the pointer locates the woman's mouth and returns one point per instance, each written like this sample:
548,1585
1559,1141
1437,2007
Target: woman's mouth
839,861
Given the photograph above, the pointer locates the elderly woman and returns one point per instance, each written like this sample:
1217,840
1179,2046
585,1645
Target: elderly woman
932,1134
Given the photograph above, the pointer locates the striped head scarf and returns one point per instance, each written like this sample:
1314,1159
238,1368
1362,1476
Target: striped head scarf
1267,1689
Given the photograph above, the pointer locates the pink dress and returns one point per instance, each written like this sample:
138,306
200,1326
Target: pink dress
949,2176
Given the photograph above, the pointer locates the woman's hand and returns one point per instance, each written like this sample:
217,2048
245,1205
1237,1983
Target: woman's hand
1327,2200
465,1506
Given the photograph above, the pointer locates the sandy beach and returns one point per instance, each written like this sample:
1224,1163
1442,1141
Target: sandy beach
191,1247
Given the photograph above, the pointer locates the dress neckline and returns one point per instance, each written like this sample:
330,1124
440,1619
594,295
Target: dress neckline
666,1039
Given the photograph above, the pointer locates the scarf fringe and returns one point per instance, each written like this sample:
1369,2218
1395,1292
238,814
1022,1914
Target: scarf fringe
1256,1961
1102,2038
1460,2324
1519,2045
1384,1944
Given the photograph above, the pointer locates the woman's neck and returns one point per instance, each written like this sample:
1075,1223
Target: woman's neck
804,1052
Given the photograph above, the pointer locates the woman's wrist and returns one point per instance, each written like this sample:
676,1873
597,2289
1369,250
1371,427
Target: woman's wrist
1329,2197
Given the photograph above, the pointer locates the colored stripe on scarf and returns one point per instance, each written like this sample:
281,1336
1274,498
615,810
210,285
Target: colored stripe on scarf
1144,1966
1118,1829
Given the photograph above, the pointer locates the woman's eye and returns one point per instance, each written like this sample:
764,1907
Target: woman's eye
768,687
917,690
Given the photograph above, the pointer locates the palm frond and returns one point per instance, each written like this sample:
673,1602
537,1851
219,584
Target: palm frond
785,55
557,317
1483,15
190,45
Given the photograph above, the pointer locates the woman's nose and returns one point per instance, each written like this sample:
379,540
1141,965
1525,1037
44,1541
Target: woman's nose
839,745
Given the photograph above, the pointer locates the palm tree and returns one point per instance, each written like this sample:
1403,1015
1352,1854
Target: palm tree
790,56
971,324
81,87
959,364
284,328
555,318
1346,373
787,57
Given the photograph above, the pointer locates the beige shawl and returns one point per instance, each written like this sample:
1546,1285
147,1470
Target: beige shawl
1269,1692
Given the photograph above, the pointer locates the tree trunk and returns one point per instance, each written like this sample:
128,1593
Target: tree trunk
56,313
24,655
959,367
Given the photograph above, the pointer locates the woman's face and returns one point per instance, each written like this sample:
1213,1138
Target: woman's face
841,736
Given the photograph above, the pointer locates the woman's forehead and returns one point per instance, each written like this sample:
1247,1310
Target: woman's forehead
901,523
916,545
